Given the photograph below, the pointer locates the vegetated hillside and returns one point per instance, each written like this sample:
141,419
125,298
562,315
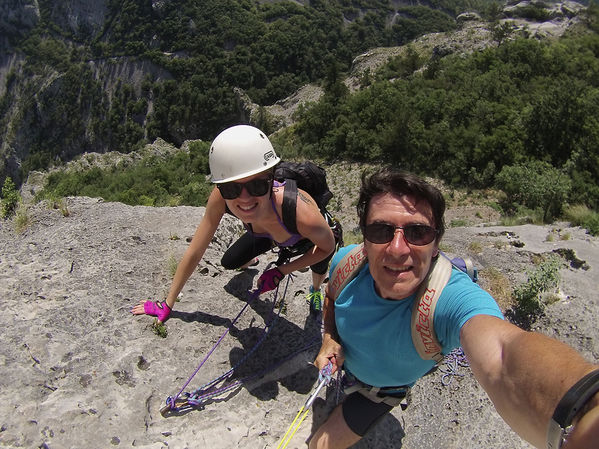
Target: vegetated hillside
478,108
517,111
82,76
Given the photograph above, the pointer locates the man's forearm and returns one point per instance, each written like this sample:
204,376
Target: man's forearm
331,349
543,370
528,375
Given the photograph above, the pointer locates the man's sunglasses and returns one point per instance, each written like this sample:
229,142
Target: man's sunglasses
255,187
415,234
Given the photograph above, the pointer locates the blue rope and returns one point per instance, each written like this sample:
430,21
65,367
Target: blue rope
452,364
208,390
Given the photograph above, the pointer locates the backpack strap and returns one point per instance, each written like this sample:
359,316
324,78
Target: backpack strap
464,264
347,269
470,270
422,324
290,205
423,329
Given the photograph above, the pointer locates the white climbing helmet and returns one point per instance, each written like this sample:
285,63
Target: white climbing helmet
240,151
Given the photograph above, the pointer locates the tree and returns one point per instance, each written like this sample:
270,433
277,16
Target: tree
10,198
536,185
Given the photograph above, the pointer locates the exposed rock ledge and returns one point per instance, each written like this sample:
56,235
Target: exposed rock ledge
77,370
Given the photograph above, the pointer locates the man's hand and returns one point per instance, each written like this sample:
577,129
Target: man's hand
586,432
330,351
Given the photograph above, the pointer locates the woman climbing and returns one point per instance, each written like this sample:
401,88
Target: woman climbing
242,161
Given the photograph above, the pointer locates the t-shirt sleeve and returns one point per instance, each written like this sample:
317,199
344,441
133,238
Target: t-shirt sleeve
461,300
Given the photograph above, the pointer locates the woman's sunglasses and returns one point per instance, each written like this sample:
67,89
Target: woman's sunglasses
415,234
255,187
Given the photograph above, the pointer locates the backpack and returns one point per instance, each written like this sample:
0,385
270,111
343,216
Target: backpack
423,329
306,176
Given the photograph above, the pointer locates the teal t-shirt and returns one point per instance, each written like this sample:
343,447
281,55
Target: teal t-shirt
376,332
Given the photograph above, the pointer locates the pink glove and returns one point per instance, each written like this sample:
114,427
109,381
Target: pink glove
157,309
269,280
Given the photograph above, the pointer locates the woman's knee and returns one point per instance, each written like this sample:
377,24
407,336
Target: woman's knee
231,263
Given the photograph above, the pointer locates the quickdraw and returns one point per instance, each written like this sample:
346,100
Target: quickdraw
324,378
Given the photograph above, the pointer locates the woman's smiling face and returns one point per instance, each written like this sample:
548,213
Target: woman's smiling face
398,267
247,207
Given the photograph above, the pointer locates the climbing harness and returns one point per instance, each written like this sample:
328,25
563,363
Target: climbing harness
392,396
183,402
451,366
324,378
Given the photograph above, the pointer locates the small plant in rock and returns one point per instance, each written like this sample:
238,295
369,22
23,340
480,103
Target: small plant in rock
458,222
60,204
499,245
22,219
543,280
352,237
172,264
159,329
445,247
475,247
496,283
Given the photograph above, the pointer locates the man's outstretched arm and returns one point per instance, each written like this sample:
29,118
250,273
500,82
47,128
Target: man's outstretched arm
526,374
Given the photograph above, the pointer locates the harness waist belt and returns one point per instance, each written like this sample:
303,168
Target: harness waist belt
351,382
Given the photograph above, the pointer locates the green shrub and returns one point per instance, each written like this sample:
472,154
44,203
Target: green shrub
581,215
177,179
591,224
543,279
536,185
22,218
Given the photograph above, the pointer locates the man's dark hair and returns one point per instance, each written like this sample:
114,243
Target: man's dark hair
398,182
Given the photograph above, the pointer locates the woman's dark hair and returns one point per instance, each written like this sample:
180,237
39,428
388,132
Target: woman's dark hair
398,182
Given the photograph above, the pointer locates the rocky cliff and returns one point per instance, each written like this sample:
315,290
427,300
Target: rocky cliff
78,370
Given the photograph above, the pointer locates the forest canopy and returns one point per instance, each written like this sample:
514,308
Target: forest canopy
474,120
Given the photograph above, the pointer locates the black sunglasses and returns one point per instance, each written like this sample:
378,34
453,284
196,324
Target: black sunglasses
415,234
255,187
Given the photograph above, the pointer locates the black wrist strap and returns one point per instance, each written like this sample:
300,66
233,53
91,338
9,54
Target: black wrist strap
572,402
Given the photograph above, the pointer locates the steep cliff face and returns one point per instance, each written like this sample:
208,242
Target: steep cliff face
83,18
34,113
17,18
